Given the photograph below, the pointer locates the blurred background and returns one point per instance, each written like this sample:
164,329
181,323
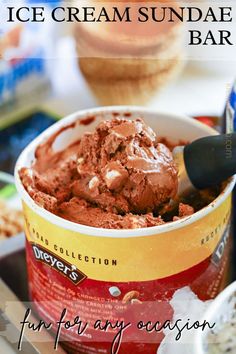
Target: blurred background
40,70
51,70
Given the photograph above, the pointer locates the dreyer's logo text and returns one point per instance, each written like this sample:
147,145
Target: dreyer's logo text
66,269
220,248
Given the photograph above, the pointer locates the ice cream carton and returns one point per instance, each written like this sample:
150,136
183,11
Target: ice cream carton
126,277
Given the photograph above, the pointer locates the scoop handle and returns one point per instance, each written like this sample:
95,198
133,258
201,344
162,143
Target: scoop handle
210,160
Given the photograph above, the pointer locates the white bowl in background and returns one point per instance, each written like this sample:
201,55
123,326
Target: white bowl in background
219,312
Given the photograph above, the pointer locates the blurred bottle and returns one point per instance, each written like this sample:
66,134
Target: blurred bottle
230,112
229,122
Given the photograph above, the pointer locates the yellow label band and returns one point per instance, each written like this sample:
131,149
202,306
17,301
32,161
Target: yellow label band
136,258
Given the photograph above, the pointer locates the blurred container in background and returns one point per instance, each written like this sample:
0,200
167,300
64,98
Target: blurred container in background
128,62
24,66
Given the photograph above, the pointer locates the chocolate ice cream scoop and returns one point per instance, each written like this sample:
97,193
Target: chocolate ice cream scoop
122,167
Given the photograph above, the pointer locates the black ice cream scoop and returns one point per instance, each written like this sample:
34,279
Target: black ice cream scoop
205,162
